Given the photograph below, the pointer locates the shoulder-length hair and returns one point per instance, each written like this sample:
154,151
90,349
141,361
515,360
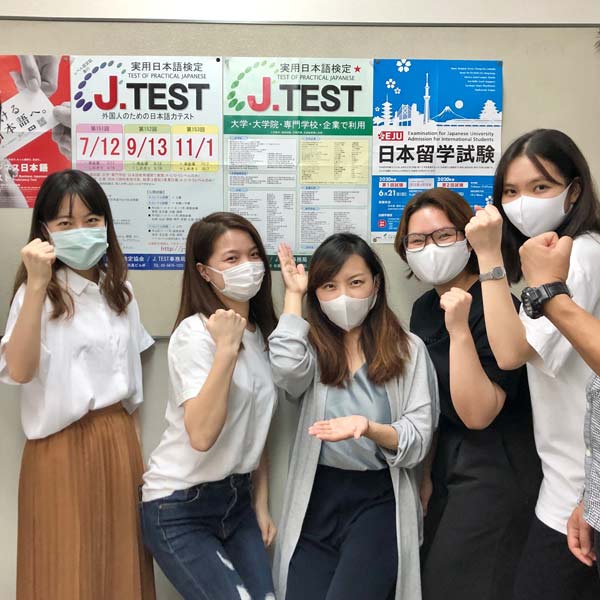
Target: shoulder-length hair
452,204
198,295
71,184
382,339
559,149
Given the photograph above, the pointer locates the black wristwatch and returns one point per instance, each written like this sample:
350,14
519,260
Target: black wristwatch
534,298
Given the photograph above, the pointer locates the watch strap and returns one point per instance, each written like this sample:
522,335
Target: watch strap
496,273
549,290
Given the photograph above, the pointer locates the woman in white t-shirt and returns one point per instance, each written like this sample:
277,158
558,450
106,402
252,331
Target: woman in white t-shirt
543,183
73,341
205,509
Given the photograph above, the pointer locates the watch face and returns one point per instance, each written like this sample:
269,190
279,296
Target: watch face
498,272
530,298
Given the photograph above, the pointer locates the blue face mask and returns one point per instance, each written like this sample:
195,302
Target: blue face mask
82,248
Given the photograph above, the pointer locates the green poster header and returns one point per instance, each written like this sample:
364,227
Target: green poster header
247,125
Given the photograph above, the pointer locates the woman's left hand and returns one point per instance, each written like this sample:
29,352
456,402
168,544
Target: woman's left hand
342,428
267,526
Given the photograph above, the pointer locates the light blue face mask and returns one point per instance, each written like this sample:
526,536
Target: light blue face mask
82,248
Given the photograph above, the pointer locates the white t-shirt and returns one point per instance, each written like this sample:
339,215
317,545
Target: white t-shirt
174,464
557,381
87,362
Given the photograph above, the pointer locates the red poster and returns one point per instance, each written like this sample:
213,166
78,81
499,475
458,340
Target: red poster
35,124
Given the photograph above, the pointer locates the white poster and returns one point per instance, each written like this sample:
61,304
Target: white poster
149,129
298,147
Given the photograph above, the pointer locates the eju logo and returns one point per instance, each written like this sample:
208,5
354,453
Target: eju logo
391,136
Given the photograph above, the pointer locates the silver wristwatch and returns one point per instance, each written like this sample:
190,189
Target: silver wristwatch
495,273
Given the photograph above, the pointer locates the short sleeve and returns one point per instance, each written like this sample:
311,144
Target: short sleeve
552,348
191,354
144,339
15,309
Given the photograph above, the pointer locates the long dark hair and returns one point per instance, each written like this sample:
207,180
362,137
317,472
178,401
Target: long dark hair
382,339
70,184
559,149
198,295
452,204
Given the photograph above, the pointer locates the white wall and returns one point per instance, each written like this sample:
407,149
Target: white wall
318,11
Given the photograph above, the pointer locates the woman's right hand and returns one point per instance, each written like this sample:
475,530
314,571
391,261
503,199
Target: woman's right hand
227,328
294,276
38,257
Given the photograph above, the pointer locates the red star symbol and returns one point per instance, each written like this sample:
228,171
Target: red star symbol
357,69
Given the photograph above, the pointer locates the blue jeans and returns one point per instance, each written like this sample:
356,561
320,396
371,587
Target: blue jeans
207,541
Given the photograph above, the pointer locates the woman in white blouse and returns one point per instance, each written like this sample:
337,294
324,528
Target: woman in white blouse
73,342
205,509
543,183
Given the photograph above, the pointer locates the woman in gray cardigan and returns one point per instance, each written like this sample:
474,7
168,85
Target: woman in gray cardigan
367,392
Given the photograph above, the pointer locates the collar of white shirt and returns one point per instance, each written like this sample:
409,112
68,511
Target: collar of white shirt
74,281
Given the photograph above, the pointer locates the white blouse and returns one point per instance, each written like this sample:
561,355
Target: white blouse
557,381
87,362
175,465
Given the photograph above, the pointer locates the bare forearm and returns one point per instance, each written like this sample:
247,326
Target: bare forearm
23,348
261,482
580,327
292,303
476,399
383,435
205,414
505,330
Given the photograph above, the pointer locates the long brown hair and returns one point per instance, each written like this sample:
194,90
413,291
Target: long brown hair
561,151
70,184
198,295
382,339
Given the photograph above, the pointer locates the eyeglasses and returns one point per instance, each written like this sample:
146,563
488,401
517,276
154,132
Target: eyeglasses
414,242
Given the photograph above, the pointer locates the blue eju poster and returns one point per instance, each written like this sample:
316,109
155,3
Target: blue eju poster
436,123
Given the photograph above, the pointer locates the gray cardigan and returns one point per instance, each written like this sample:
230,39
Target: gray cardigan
415,409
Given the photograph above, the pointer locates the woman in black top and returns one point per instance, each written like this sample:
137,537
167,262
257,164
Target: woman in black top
484,470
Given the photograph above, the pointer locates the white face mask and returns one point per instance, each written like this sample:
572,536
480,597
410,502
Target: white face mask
439,264
347,312
81,248
242,282
532,216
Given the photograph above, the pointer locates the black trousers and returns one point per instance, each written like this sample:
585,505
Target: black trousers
347,549
479,514
548,570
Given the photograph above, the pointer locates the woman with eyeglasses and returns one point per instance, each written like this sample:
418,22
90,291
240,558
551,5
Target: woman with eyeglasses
481,479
